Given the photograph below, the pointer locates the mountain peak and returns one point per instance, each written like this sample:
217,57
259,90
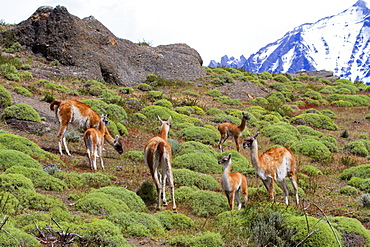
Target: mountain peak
361,3
337,43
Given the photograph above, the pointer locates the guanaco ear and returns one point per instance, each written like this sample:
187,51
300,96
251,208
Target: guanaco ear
117,137
169,118
160,119
256,135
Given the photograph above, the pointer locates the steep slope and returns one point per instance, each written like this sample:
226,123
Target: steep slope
338,43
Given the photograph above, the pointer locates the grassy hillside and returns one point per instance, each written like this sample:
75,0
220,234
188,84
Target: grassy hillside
325,123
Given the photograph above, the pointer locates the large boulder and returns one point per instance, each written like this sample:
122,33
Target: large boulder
87,49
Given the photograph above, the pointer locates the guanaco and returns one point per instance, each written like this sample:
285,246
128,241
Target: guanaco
158,154
94,141
275,164
81,115
233,183
229,129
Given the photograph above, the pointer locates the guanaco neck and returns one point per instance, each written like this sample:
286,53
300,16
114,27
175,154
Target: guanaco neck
242,125
226,176
164,131
255,155
108,136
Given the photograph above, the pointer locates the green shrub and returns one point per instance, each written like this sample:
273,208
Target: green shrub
22,91
183,193
73,180
99,232
96,180
122,130
200,134
155,95
153,111
11,236
114,112
5,98
315,120
223,79
199,162
359,147
259,101
215,111
281,78
355,100
99,203
349,226
278,128
132,200
9,71
171,220
126,90
134,155
356,182
164,103
72,136
137,224
268,229
312,94
148,192
58,88
40,179
22,144
307,130
348,190
361,171
144,87
342,103
185,177
283,139
277,86
21,111
214,93
313,149
227,100
324,235
204,203
40,202
9,158
201,239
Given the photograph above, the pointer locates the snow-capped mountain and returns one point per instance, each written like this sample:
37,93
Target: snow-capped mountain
339,43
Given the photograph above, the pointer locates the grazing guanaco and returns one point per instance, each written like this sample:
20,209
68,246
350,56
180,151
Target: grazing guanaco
275,164
233,183
94,141
229,129
158,158
81,115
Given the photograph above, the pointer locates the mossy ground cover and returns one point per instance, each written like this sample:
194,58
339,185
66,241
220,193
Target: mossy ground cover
204,217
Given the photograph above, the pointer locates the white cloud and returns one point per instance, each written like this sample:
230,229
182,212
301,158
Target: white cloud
214,28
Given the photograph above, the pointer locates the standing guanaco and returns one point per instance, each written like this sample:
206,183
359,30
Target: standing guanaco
233,183
229,129
275,164
94,141
81,115
158,158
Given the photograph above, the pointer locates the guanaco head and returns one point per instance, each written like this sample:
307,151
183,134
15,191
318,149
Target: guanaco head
249,141
225,160
165,125
104,118
246,116
118,143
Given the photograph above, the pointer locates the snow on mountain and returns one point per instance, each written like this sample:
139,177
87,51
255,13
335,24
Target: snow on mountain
338,43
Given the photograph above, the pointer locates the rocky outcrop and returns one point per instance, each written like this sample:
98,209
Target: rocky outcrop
89,50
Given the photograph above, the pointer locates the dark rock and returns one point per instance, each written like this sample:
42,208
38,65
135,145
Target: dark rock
87,49
29,126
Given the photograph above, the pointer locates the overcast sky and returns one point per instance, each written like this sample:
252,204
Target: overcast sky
213,27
